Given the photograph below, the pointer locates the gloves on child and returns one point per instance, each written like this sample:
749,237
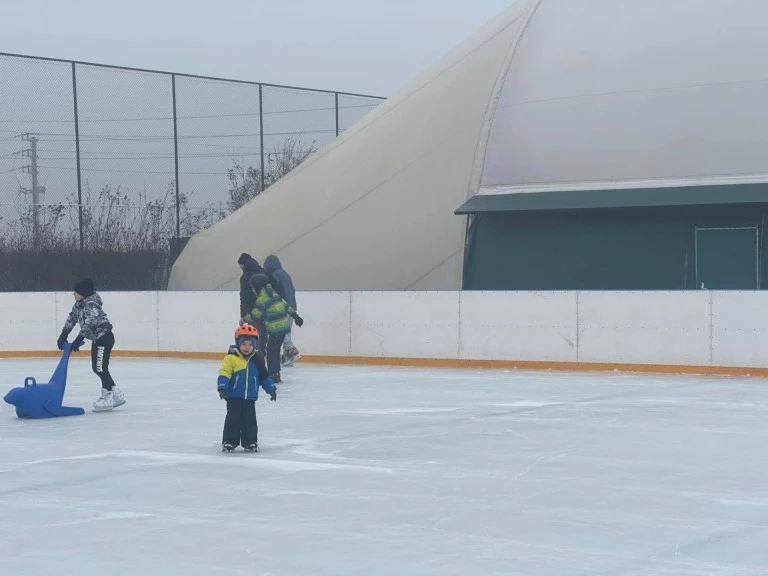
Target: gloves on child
299,320
79,341
62,339
273,396
76,345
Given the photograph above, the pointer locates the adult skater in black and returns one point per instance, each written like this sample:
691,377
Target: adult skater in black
250,266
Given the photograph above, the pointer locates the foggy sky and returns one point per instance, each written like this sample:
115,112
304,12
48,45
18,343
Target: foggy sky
361,46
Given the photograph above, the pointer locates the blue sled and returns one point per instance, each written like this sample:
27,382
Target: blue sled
44,400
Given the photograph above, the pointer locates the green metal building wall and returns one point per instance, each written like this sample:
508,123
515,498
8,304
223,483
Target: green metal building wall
635,248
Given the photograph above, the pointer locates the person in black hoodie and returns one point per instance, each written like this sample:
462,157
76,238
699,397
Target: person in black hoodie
250,266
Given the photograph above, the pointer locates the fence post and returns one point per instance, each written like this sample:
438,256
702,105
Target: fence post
77,159
261,135
176,158
336,94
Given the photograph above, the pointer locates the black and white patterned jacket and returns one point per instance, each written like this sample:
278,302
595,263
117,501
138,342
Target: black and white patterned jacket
92,319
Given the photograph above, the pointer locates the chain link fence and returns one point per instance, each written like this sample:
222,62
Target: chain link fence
105,171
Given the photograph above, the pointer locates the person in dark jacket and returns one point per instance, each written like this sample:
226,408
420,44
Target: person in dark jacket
273,266
95,326
250,266
276,314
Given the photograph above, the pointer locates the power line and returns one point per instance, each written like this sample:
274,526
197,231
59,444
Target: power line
146,156
122,171
160,156
202,116
152,138
84,153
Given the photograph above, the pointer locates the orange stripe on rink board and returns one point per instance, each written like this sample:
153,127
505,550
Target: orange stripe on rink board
29,354
537,365
86,353
434,362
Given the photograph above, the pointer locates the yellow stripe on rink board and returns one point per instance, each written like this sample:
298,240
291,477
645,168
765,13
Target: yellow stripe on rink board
434,362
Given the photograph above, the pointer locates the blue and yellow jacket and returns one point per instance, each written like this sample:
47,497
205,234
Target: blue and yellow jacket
241,376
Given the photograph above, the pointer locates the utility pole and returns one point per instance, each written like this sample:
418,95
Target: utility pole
36,189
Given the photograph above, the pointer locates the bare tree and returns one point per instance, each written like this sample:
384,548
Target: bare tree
245,183
127,237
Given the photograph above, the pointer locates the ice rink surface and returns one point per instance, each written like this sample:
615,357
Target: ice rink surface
387,471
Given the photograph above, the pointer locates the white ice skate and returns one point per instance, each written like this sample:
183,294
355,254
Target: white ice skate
105,403
118,398
291,357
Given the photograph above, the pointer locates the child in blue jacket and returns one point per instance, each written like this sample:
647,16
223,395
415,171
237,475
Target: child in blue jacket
242,372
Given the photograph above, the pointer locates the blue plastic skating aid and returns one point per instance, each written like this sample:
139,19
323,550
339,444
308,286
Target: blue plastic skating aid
44,400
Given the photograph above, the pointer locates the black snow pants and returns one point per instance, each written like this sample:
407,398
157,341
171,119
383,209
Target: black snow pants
262,329
101,349
240,426
273,353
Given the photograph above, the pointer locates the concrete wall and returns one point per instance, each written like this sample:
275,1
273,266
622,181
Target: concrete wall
537,329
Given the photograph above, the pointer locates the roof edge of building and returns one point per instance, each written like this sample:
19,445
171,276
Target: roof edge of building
739,193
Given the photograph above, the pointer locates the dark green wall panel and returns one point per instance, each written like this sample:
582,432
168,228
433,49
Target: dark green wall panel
602,249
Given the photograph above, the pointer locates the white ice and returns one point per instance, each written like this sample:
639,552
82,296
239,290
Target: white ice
385,471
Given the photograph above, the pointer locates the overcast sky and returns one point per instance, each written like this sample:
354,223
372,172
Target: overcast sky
362,46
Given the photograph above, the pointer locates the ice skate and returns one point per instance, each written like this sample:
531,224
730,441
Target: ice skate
227,447
291,357
118,398
252,448
105,403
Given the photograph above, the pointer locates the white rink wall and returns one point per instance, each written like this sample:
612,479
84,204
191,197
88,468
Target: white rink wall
700,328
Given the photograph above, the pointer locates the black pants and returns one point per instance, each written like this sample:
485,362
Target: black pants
273,352
240,425
261,327
100,352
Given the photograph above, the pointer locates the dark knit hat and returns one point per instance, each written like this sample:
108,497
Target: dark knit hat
243,258
85,287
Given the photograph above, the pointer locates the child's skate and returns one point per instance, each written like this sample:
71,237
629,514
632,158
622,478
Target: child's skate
252,448
118,398
105,402
227,447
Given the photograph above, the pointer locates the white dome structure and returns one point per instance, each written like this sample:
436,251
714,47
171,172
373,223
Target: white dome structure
551,96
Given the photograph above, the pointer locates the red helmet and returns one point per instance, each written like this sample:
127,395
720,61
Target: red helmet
246,330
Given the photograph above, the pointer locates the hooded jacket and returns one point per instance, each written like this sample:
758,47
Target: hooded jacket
247,296
269,307
89,314
273,266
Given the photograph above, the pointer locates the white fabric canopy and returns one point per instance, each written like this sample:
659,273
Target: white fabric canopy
551,95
